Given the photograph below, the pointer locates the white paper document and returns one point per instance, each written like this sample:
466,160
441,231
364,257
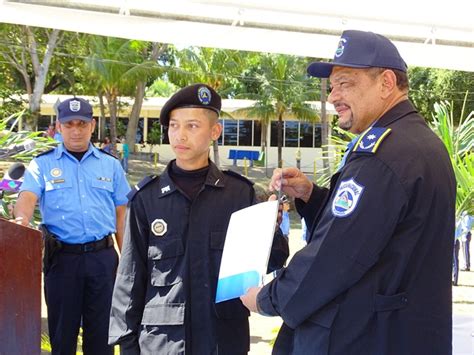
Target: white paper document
246,250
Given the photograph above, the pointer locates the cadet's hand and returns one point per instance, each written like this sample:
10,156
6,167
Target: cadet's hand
250,299
294,183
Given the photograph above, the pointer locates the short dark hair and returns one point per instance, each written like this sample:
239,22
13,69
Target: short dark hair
402,77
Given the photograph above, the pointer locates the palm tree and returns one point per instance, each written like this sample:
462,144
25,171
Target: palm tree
283,91
459,141
118,65
215,67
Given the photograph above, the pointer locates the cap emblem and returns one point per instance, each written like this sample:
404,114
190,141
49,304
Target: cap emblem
74,105
204,95
340,47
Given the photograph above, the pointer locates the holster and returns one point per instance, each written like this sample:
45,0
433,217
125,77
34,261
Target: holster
51,247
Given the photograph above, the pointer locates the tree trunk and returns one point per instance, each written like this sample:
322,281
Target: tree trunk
41,72
135,115
280,139
102,117
112,101
263,134
156,50
324,127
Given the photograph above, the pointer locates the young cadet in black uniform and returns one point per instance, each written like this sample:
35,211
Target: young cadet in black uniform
375,277
164,296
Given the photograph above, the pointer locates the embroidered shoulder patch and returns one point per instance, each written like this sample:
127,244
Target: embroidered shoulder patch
346,198
371,139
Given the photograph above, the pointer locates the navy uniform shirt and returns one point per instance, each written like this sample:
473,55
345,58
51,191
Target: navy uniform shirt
77,198
375,277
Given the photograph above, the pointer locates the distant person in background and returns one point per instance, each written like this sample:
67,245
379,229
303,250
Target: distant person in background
51,131
125,154
466,224
285,219
106,146
457,245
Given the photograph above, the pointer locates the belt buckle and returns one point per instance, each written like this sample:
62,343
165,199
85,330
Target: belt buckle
88,247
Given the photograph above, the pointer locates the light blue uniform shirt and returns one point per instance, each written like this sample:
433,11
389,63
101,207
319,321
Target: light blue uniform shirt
77,199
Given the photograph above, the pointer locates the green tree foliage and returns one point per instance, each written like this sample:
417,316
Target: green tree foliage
29,52
283,91
459,141
117,65
218,68
429,86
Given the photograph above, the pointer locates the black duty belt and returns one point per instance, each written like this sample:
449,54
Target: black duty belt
105,242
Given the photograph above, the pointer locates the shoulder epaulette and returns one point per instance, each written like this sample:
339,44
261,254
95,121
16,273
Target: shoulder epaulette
44,153
103,151
238,176
371,139
140,186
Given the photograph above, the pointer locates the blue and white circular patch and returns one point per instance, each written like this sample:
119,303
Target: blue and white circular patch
346,198
340,47
204,95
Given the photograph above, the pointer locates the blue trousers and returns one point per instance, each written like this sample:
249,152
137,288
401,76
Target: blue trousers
78,287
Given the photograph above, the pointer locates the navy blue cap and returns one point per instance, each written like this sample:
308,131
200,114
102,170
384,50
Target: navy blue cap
359,49
192,96
74,109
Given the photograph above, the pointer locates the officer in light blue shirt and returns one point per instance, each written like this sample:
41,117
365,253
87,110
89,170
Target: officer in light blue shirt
82,199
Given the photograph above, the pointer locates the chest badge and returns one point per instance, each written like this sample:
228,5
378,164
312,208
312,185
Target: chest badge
56,172
346,198
159,227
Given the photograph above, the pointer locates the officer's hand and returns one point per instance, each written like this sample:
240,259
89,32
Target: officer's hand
294,183
250,299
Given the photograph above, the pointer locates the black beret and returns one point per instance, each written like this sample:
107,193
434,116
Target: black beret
193,96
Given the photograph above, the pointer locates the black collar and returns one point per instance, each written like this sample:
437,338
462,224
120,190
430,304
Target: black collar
214,178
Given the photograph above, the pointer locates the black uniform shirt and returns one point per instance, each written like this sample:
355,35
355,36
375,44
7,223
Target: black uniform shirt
158,307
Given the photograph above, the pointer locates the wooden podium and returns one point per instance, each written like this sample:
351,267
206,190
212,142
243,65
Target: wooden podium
20,289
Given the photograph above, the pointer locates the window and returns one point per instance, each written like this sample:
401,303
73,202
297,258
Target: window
317,135
221,137
291,133
139,135
245,132
306,135
164,135
257,133
43,123
230,132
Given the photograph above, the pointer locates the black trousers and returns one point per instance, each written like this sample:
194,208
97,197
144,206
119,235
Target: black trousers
78,287
466,252
456,262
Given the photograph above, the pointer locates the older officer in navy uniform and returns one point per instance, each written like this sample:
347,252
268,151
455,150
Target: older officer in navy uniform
163,301
82,198
375,277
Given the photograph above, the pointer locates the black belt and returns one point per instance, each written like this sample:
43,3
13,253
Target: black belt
105,242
